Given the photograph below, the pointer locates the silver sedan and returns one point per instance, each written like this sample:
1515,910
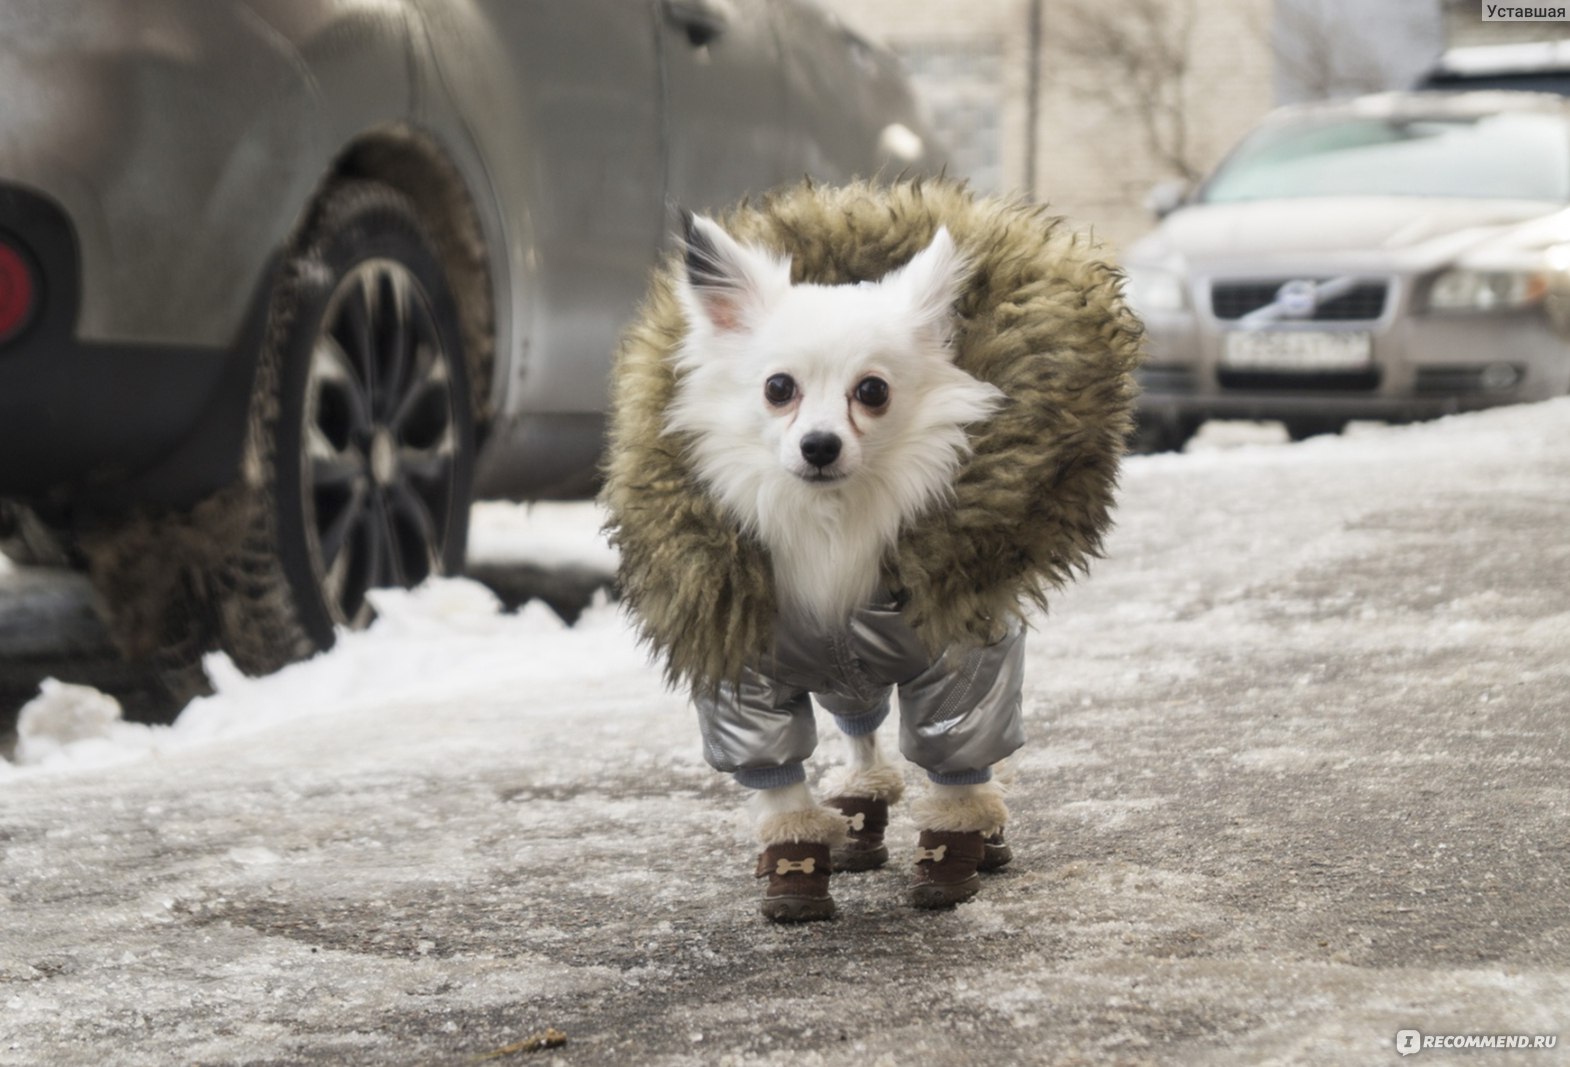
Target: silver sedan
1395,257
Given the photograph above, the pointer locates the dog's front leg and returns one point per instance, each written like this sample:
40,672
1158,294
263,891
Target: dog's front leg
787,808
961,833
798,836
863,792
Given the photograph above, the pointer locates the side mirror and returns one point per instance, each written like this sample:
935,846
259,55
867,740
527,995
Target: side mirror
1165,197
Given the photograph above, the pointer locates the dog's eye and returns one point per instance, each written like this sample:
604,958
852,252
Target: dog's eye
779,390
872,392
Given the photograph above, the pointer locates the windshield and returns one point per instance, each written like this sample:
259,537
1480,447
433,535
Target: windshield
1518,156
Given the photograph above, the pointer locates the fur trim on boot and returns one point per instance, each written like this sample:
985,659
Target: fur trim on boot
819,826
959,808
884,782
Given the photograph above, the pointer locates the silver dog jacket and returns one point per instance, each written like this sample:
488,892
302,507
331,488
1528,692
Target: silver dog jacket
958,714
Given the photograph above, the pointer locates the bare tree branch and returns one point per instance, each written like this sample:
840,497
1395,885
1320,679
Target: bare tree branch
1317,56
1134,57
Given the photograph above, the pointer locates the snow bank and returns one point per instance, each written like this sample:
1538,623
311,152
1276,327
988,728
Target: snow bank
71,723
446,636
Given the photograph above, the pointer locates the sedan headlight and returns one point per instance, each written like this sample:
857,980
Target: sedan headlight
1486,290
1150,290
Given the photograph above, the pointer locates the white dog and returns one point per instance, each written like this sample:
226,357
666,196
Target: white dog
824,419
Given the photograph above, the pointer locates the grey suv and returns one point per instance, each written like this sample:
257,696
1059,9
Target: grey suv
285,284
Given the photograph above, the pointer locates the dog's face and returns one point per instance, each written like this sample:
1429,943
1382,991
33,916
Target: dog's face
827,384
833,380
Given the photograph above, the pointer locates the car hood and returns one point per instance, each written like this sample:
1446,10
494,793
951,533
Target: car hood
1350,233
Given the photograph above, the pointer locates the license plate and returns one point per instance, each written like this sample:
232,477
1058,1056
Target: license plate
1297,350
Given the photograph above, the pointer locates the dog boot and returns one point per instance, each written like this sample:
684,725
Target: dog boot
946,864
998,854
958,823
867,818
796,860
798,888
863,796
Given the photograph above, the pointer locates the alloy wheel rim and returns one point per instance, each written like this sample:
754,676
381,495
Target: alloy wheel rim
378,453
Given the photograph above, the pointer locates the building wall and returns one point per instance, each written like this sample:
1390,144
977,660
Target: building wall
1328,48
1092,160
1095,159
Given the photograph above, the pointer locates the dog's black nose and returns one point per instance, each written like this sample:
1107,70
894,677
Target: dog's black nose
820,449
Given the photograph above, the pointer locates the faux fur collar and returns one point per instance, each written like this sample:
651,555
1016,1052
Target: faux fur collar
1042,318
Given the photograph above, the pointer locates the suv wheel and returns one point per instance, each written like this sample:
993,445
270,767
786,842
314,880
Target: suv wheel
361,441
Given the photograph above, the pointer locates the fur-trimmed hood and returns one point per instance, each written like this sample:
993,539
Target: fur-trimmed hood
1042,318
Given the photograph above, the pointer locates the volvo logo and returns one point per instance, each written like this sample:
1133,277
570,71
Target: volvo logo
1297,298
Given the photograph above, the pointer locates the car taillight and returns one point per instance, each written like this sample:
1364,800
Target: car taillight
18,291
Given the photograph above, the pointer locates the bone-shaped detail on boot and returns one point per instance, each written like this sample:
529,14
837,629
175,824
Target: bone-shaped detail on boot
806,866
934,854
858,822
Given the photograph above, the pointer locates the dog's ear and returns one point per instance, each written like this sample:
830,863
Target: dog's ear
727,284
932,281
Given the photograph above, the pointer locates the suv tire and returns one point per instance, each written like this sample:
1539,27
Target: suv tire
360,453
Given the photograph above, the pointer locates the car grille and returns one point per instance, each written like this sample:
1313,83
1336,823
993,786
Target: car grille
1363,302
1328,382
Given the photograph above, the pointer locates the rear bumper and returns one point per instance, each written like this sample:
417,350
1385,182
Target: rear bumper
111,424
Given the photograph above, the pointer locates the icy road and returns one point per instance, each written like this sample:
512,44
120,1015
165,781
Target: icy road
1297,782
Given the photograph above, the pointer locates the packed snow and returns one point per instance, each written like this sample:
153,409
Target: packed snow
421,640
1295,783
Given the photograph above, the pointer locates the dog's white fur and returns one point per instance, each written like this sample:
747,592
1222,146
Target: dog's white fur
866,773
826,527
747,323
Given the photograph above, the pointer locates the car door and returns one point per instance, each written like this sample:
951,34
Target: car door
724,102
562,98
